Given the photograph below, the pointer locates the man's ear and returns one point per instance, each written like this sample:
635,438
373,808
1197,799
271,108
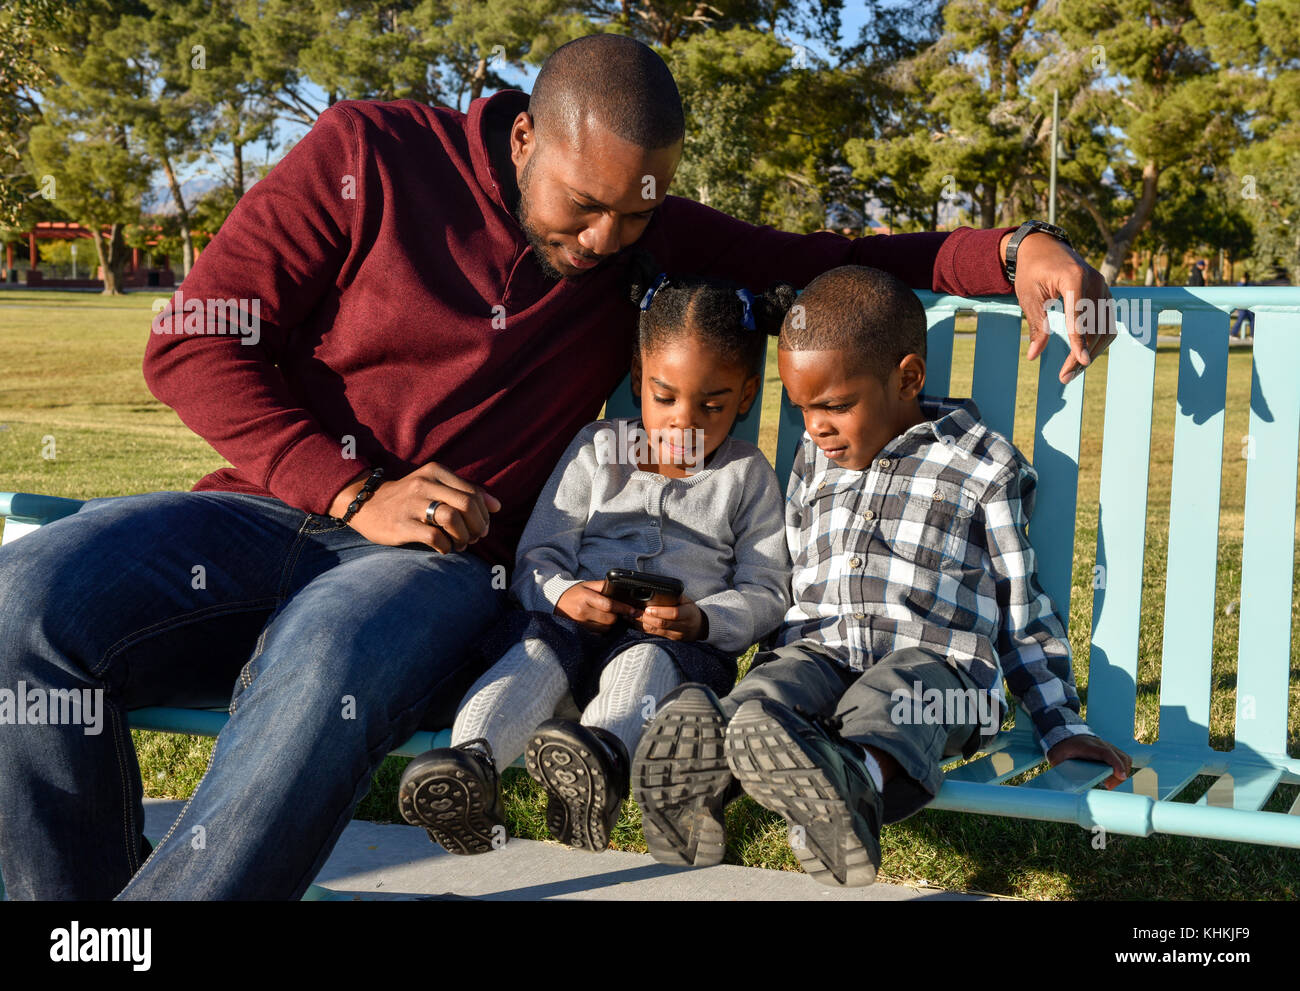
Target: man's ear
523,139
912,376
747,394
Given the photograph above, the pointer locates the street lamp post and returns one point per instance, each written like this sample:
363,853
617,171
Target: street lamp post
1051,181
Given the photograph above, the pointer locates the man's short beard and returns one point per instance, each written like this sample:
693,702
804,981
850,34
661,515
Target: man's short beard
539,245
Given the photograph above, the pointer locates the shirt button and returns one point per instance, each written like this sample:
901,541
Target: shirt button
938,495
857,615
821,486
884,463
855,562
869,515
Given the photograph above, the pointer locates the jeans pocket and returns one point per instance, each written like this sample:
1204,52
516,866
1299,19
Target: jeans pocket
315,523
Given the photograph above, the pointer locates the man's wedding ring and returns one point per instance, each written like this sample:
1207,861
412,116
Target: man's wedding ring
428,513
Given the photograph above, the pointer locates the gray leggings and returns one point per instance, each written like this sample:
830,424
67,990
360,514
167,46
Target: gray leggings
876,708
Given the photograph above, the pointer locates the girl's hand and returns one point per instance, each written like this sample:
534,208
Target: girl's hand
586,606
684,621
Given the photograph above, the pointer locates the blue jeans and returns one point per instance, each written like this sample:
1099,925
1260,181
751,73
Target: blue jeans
1239,321
334,647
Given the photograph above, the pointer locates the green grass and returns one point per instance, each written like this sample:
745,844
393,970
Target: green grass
72,373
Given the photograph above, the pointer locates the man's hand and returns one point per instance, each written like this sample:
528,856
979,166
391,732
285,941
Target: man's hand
394,514
1045,270
589,608
683,621
1087,747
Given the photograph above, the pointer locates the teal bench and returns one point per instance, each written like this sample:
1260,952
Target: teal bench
1246,775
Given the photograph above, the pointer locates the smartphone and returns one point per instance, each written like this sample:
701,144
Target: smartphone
641,588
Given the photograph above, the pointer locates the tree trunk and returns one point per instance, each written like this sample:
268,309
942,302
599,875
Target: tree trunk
112,259
1117,249
477,80
239,170
183,213
988,203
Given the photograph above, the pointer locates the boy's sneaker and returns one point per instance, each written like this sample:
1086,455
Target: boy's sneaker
455,794
681,780
584,770
803,770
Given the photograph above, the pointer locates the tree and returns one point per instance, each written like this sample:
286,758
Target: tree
23,54
1142,94
89,159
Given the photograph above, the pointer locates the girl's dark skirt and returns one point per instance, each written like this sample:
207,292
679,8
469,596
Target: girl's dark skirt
583,654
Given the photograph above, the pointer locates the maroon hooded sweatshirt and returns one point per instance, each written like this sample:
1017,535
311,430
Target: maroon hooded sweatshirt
401,317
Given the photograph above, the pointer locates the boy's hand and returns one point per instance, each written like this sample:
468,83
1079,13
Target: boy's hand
1087,747
683,621
586,606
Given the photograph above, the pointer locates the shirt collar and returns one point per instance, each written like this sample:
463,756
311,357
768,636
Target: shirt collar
948,420
508,103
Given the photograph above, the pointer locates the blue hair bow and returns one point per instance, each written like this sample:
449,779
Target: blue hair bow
660,279
747,301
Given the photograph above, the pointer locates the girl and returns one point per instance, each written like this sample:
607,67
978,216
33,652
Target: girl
670,492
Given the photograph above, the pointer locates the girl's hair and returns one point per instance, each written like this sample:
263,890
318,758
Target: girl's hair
710,309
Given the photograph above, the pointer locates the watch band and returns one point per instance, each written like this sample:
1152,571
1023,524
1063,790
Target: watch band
1023,231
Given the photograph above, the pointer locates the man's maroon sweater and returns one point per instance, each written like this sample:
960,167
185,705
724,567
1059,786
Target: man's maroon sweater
403,319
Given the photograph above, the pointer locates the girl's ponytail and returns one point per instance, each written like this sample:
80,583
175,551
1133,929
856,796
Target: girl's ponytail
641,272
771,306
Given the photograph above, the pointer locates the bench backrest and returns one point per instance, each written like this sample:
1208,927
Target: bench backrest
1264,649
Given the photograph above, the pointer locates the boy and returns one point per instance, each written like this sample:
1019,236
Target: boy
913,580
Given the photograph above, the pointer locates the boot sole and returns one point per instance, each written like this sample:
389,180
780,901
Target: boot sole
577,787
680,779
452,807
776,770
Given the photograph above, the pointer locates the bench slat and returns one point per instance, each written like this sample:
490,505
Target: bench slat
1073,776
938,353
1244,787
1194,529
996,767
1056,457
997,362
1268,547
1162,779
1121,537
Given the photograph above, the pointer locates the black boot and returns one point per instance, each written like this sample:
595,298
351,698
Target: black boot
800,768
455,794
681,779
585,784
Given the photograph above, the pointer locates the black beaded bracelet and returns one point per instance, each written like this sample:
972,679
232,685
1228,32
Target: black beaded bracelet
373,481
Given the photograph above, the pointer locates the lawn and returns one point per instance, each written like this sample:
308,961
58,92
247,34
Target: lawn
72,388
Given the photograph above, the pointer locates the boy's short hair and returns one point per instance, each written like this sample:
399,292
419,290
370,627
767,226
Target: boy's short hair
861,310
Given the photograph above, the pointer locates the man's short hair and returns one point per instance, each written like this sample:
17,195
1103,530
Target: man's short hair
866,312
615,80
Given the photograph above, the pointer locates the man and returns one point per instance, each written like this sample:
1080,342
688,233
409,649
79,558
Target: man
392,339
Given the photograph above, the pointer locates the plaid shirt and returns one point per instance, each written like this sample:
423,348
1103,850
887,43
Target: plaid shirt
927,547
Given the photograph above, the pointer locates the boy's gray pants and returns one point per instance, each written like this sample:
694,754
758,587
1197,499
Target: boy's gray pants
876,710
